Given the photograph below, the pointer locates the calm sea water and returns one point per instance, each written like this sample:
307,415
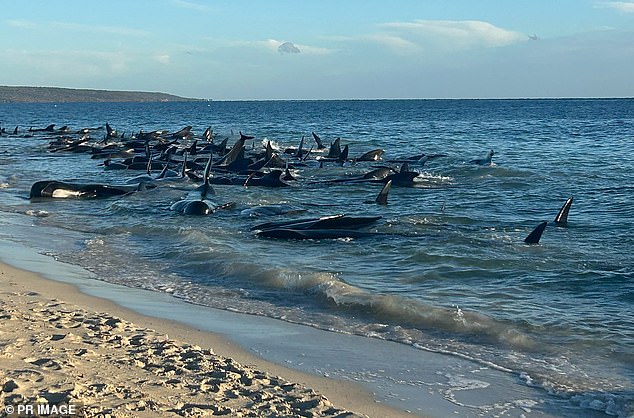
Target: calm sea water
451,274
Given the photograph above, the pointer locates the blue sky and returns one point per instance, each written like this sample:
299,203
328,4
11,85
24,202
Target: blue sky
323,49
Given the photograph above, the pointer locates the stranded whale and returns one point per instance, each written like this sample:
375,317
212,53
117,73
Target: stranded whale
65,190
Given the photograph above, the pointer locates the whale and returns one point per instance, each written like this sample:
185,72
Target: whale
335,149
49,128
270,179
536,234
298,152
110,133
484,161
236,152
283,233
402,178
271,210
208,135
184,133
374,155
378,174
109,153
64,190
196,201
381,199
340,221
320,145
562,217
287,175
220,149
343,156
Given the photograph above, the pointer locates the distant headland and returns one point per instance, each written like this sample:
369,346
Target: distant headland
23,94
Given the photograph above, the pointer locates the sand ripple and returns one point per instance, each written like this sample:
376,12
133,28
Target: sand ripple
51,352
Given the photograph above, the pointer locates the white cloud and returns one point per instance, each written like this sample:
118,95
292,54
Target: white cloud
622,6
76,27
189,5
394,42
458,34
21,23
72,64
110,30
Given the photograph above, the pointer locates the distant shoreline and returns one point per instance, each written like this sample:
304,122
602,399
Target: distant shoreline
29,94
24,94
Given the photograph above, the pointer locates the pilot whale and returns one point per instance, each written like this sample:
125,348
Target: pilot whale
562,217
325,222
65,190
536,234
560,220
197,202
484,161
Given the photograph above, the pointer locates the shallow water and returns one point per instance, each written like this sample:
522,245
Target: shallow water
449,273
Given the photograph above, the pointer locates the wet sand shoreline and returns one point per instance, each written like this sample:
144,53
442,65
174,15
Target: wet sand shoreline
60,346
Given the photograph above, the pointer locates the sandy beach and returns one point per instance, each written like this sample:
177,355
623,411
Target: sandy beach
62,348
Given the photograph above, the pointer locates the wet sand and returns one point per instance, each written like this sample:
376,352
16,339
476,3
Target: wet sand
61,347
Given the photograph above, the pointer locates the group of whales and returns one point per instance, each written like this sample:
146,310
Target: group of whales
183,156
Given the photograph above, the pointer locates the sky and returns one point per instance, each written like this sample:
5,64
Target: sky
322,49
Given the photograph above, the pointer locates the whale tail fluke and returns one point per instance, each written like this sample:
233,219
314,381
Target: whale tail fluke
536,234
562,217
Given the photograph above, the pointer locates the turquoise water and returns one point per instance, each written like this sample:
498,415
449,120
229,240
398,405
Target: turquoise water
450,271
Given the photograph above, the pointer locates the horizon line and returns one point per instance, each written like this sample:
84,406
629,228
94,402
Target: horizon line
332,99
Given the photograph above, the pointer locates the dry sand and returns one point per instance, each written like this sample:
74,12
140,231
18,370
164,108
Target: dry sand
61,347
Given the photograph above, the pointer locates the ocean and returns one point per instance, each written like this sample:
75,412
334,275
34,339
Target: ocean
447,269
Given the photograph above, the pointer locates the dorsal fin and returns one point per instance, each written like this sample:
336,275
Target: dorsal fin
208,134
299,152
149,165
206,187
207,169
535,236
343,157
307,154
245,137
381,199
320,144
288,175
269,151
222,147
404,168
184,167
168,154
163,172
236,151
335,149
562,217
192,147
